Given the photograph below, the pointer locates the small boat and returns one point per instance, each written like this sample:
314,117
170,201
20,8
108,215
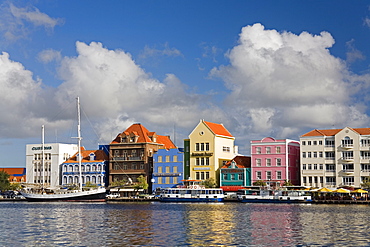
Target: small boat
82,194
193,192
274,196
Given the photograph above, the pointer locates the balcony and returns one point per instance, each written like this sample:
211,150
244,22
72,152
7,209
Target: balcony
347,172
346,146
126,158
346,159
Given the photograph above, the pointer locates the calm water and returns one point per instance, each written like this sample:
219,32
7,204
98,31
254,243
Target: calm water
160,224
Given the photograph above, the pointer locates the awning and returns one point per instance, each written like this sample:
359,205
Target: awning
232,188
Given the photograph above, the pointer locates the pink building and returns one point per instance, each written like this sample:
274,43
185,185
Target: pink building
274,161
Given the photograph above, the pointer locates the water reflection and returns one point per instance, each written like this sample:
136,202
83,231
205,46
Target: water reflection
161,224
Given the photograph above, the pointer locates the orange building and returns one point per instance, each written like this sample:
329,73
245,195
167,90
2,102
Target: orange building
16,175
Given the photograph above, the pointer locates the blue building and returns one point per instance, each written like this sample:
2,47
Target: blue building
168,168
93,167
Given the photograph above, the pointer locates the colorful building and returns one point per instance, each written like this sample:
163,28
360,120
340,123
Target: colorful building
168,168
16,175
236,174
275,161
335,157
131,154
211,145
93,168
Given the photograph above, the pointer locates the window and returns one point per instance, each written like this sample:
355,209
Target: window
196,146
197,162
309,167
160,169
278,150
347,155
347,142
348,167
304,167
309,143
202,147
167,158
268,162
348,180
268,175
258,162
320,155
315,166
365,155
308,154
365,167
224,176
320,142
303,143
315,154
329,143
258,150
314,142
268,150
226,149
159,159
258,175
329,155
330,167
303,154
207,146
240,176
321,167
167,169
207,161
365,142
304,180
278,162
174,158
141,166
278,175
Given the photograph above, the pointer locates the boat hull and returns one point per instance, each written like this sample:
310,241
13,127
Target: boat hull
171,199
83,196
273,201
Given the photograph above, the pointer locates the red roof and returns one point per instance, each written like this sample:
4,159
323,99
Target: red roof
218,129
100,156
332,132
15,174
241,162
145,136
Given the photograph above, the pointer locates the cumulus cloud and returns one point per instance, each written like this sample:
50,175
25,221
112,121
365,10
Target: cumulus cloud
16,23
117,90
280,80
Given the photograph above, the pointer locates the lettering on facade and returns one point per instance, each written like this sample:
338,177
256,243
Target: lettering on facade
40,148
231,170
202,154
201,168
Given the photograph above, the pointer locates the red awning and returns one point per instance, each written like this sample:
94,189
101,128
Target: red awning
232,188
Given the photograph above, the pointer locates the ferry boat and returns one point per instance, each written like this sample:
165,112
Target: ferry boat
193,192
274,196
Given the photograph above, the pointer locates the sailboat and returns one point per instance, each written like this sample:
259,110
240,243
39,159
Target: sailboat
81,194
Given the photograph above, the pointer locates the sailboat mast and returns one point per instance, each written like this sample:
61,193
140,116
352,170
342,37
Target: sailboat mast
43,154
79,141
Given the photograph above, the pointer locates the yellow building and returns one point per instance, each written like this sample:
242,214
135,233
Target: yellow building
211,146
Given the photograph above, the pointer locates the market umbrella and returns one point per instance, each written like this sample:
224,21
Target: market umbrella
324,190
341,191
360,191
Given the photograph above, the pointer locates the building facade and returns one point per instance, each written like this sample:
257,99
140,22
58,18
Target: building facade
275,161
46,170
168,168
131,154
236,174
335,157
16,175
211,145
93,168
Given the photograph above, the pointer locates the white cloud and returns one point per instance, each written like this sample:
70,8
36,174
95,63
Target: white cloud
49,55
116,90
285,82
352,53
16,23
154,52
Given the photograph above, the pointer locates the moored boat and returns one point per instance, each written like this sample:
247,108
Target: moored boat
194,192
274,196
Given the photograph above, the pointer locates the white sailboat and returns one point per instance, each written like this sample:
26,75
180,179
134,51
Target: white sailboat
88,194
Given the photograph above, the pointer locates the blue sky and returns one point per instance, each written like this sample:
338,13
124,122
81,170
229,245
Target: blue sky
262,68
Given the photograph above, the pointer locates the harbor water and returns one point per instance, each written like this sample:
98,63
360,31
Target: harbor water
183,224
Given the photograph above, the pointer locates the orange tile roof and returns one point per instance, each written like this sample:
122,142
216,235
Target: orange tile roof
240,161
15,174
144,136
332,132
218,129
100,156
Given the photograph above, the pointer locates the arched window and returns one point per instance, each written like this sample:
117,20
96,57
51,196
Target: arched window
76,180
70,180
347,142
93,179
76,168
64,179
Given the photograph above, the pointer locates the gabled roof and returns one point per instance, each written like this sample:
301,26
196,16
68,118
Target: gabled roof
333,132
144,136
100,156
218,129
240,161
14,171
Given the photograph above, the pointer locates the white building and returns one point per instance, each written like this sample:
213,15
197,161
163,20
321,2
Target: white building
47,172
335,157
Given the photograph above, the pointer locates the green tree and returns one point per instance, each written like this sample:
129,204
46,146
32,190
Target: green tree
119,183
4,181
366,183
209,183
15,186
287,182
141,184
89,184
259,183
